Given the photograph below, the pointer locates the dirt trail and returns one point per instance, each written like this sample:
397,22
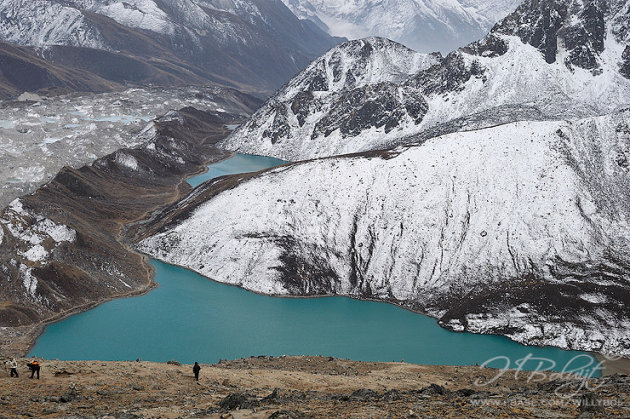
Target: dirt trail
295,387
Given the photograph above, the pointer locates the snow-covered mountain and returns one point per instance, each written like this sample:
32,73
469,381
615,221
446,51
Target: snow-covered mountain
424,25
502,207
520,229
256,43
353,88
575,65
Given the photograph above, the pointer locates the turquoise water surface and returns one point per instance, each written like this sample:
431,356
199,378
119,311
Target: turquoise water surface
190,318
241,163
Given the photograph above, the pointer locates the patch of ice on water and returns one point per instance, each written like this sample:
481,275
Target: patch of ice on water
7,124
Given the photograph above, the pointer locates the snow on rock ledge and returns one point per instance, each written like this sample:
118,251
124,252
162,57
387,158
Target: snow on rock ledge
34,236
465,226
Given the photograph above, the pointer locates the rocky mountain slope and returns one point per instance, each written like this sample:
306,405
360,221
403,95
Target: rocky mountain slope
353,89
252,44
520,229
528,67
424,25
23,70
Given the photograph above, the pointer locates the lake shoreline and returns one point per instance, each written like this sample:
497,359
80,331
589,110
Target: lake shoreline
408,306
610,366
124,199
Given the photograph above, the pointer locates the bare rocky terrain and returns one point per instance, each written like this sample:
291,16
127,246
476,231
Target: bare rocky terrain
303,387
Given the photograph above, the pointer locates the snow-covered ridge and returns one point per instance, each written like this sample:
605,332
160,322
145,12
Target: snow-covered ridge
438,225
248,44
357,63
508,68
424,25
345,87
40,23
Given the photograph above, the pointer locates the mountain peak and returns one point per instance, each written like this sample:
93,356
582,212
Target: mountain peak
574,31
353,87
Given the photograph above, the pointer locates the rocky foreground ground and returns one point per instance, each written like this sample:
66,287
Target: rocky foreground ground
302,387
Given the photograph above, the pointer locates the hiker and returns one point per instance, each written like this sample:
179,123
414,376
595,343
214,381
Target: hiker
13,365
196,369
34,367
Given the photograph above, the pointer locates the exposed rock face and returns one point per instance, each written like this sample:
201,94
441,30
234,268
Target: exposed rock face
546,26
353,89
256,44
625,64
537,23
515,66
520,230
382,105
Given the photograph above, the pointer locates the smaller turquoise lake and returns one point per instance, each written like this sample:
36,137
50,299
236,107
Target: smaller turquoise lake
190,318
240,163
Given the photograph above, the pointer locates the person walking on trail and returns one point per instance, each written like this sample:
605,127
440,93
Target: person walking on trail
196,369
13,365
34,367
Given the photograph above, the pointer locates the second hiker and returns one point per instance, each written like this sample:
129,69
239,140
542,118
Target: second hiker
34,367
196,369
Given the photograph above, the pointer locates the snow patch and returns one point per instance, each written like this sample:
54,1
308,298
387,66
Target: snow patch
126,160
29,282
36,253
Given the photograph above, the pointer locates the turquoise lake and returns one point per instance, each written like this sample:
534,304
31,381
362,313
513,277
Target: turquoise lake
240,163
190,318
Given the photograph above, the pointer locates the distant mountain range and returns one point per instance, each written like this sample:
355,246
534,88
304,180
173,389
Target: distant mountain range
253,45
423,25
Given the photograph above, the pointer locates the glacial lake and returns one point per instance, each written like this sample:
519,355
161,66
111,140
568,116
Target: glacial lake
240,163
189,318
